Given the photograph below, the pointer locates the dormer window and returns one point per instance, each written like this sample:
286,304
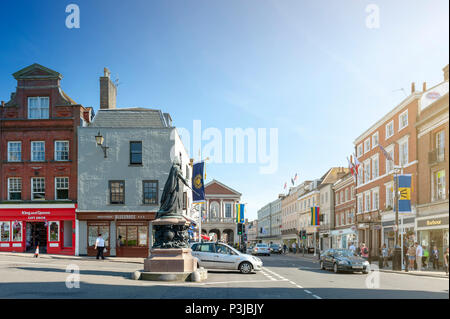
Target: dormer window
38,107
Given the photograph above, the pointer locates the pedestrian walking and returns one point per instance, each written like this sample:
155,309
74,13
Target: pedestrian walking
434,258
352,248
446,261
294,247
100,246
419,255
385,255
426,255
284,248
364,251
411,256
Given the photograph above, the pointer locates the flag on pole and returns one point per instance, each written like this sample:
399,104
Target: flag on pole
292,181
404,189
285,185
295,177
386,154
198,187
315,216
240,208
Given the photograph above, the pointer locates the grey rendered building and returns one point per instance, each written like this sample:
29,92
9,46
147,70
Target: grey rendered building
120,182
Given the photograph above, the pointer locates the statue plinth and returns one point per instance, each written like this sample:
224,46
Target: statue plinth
178,260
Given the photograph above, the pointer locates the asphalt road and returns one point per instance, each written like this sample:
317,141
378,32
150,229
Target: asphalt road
284,277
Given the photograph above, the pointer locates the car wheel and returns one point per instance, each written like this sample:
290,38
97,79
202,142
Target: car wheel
335,268
321,265
245,268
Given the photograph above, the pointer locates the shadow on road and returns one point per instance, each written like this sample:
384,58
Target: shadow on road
43,290
82,272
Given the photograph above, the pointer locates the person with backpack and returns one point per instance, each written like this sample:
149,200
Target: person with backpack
364,252
434,258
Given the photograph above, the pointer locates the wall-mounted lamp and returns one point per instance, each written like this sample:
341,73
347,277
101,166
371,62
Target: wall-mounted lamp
100,139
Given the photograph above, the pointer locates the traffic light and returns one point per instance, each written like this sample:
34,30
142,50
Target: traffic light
239,229
303,234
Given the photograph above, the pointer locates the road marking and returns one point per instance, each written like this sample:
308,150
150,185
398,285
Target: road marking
317,297
142,282
292,282
268,276
308,292
275,274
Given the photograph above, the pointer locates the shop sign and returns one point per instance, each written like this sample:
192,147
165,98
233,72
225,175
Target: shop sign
35,215
433,222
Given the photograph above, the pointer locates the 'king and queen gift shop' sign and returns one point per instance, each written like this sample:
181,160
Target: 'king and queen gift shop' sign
404,193
198,187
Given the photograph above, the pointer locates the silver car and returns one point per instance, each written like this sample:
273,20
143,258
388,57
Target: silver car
261,249
221,256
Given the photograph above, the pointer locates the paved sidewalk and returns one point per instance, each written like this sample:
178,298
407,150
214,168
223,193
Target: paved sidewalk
69,257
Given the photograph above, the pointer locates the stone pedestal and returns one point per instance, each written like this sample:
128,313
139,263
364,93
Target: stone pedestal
177,260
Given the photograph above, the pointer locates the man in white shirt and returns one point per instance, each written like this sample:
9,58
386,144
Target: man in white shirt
294,248
419,254
100,246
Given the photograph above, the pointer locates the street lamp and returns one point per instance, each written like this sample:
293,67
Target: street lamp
100,139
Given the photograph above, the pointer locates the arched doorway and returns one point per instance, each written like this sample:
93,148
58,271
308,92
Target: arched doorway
216,232
228,236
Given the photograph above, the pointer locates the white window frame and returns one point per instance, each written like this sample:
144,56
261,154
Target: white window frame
39,108
376,159
440,141
15,191
56,187
360,203
435,186
375,199
360,150
367,171
391,150
56,151
375,144
393,129
32,190
367,145
404,140
367,202
9,151
400,122
32,151
389,200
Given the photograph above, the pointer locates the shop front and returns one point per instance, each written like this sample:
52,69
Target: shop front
125,234
408,226
432,232
49,227
343,238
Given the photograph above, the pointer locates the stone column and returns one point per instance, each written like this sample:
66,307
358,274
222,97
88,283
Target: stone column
221,214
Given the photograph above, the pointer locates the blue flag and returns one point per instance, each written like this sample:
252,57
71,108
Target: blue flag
404,189
198,186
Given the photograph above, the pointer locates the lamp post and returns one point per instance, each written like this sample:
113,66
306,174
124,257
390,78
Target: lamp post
100,139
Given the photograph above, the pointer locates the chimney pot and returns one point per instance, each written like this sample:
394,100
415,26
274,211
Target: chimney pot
445,69
413,87
424,87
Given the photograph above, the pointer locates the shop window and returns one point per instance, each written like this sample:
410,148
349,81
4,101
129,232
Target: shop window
132,236
150,192
38,188
61,150
439,182
15,188
62,187
4,231
93,232
135,152
17,231
53,231
117,192
440,145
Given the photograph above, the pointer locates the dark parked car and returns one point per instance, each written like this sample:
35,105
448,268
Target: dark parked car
343,260
276,249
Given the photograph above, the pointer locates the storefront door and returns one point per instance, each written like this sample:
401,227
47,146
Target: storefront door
132,239
94,229
36,235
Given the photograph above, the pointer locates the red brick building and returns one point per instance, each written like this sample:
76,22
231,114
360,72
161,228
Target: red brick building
38,164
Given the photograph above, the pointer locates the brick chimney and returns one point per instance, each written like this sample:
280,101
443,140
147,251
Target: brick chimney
413,87
108,91
424,86
445,69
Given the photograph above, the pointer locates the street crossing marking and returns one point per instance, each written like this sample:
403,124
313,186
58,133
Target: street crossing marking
307,291
275,274
268,276
317,297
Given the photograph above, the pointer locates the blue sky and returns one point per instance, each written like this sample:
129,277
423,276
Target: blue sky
312,69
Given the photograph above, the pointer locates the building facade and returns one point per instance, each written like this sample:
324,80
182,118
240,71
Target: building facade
252,233
396,133
309,197
269,222
38,164
433,154
121,179
344,233
220,216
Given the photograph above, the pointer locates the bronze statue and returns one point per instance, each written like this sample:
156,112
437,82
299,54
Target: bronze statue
172,196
